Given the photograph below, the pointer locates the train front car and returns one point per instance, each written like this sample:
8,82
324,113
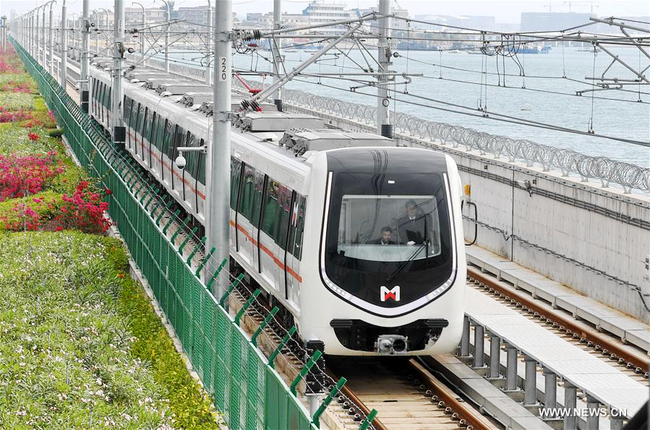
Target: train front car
390,257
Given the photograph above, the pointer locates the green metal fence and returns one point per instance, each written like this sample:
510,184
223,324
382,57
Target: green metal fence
245,388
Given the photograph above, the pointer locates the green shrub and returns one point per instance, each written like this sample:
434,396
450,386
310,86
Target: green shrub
57,132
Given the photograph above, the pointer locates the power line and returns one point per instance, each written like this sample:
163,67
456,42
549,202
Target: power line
492,115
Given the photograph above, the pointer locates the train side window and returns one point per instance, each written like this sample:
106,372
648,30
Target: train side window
93,93
297,226
235,170
101,93
109,98
127,110
179,140
154,130
160,132
257,200
284,214
104,94
167,137
273,203
191,156
141,119
202,159
134,115
248,193
147,124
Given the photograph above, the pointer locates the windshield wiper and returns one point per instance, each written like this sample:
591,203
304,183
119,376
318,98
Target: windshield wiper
404,263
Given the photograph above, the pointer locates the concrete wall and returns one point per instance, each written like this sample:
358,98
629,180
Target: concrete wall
594,242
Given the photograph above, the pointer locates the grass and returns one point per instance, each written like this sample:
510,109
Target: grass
11,101
81,341
66,348
14,141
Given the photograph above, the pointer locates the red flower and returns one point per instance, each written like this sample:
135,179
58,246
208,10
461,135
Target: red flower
33,137
108,191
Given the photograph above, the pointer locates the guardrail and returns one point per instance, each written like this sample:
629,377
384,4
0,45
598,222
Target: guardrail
245,388
607,171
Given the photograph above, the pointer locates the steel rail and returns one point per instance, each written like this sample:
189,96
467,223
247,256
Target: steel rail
376,423
599,341
466,415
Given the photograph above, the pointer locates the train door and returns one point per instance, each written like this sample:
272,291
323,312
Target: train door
268,251
133,146
147,136
294,250
126,112
157,132
200,182
235,180
245,217
142,117
274,225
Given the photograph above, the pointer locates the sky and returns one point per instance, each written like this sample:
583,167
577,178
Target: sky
504,11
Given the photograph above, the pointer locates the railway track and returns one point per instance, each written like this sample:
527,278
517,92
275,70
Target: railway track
406,394
403,390
626,358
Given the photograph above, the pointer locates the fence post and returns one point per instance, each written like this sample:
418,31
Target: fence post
216,273
283,342
267,320
196,249
171,219
370,418
327,401
305,369
249,302
187,239
232,286
203,263
181,228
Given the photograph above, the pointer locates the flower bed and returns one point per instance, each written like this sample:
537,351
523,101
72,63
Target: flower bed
81,345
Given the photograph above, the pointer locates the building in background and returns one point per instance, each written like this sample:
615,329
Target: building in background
552,21
320,12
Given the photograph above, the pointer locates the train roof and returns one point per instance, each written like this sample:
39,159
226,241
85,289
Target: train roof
280,143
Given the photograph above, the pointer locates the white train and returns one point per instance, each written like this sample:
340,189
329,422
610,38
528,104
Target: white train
360,242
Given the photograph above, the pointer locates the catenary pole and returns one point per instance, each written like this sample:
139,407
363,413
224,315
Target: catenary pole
85,46
38,34
64,47
167,29
44,37
51,38
383,121
277,59
208,66
141,33
116,93
218,234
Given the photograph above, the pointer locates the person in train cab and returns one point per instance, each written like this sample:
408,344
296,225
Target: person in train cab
413,226
386,237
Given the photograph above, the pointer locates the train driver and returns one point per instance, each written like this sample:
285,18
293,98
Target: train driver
412,228
385,239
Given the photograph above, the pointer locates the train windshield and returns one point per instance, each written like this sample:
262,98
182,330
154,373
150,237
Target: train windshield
386,231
